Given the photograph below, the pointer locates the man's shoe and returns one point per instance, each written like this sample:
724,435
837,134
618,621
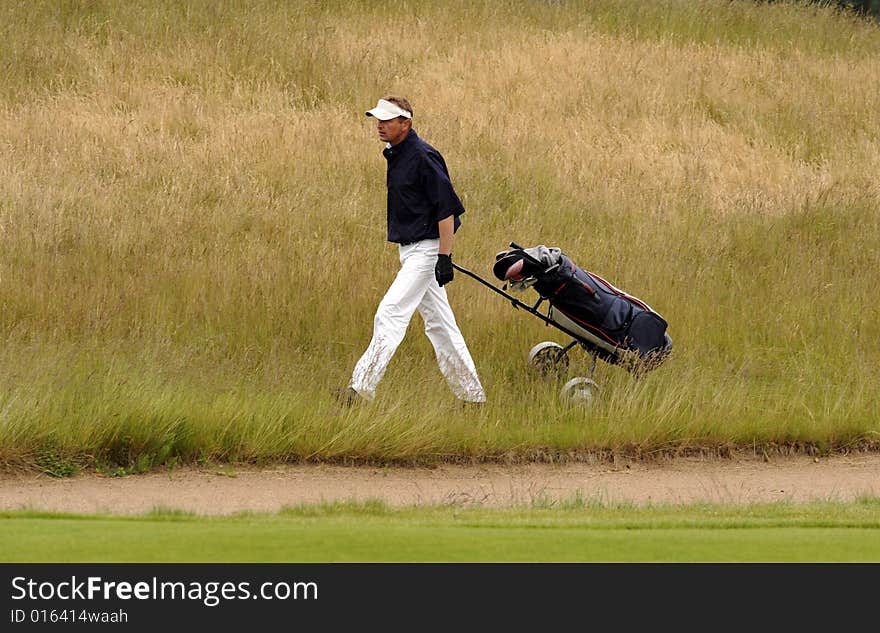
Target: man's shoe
348,397
469,405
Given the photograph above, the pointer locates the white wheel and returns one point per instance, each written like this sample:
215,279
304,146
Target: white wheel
579,391
547,359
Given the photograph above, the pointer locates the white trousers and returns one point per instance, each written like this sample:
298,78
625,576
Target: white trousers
415,288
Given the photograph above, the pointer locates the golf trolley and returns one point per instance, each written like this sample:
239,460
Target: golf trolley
608,323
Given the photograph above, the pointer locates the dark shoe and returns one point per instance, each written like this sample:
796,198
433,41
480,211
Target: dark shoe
470,405
348,397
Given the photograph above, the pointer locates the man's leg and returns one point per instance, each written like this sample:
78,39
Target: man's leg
391,320
452,352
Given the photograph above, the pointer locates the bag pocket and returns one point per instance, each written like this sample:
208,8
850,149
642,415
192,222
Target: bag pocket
647,332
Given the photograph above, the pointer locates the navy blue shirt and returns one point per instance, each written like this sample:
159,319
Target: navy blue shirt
420,193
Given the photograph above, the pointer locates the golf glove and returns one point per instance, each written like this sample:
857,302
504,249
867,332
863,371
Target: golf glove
443,269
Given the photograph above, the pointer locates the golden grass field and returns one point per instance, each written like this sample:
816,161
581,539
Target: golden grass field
192,223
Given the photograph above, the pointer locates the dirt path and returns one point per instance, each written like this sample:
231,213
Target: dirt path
226,490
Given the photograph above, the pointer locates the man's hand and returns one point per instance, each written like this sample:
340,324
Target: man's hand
443,269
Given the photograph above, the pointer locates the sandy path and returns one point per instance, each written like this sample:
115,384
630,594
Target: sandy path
682,480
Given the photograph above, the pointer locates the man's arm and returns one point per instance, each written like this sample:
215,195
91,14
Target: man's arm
443,268
446,227
441,197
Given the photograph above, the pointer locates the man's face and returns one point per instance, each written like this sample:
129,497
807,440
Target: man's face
394,130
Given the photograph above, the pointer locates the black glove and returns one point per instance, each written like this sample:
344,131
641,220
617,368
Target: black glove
443,269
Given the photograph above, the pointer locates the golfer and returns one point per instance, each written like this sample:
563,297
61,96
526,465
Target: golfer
423,216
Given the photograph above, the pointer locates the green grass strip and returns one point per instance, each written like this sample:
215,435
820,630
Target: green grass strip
372,532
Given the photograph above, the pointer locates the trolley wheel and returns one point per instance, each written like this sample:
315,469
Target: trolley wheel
579,391
547,358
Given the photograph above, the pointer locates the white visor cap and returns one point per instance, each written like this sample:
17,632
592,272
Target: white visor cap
385,111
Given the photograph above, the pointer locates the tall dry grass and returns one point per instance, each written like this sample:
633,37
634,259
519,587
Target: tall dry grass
192,222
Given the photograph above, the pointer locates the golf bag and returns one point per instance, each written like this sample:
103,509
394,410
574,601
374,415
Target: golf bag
612,323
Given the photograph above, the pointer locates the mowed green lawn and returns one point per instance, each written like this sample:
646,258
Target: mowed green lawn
577,532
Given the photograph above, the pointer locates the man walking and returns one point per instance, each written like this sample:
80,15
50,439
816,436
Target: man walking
423,216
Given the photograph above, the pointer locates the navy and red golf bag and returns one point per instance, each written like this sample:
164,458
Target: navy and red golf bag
616,326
